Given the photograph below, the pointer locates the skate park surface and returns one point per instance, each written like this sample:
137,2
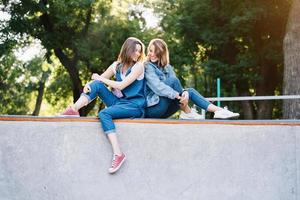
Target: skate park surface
55,158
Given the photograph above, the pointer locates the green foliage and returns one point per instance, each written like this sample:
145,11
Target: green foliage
11,94
242,41
238,41
18,81
58,89
231,31
85,36
103,43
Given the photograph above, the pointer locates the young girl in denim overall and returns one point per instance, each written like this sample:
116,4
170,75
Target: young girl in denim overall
165,95
127,99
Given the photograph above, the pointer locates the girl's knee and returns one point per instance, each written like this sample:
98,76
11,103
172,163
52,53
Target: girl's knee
174,80
96,85
103,114
191,90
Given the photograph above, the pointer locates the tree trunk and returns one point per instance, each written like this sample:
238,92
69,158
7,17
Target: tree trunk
70,65
247,106
264,109
266,87
291,77
39,98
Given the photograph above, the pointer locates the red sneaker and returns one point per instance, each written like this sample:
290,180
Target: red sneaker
70,112
116,163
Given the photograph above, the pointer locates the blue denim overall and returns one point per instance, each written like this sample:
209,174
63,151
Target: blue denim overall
131,105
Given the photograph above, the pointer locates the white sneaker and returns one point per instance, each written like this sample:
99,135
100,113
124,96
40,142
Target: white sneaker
225,114
192,115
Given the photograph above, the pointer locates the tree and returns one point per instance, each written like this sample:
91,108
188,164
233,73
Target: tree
18,82
84,35
291,108
12,94
241,45
37,71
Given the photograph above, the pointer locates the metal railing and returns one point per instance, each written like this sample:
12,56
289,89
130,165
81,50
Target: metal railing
253,98
247,98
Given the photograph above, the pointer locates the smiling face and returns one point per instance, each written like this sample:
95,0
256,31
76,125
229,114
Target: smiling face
151,54
137,53
158,52
133,50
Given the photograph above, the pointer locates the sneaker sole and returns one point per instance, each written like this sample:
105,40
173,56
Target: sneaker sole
68,116
191,119
232,117
116,169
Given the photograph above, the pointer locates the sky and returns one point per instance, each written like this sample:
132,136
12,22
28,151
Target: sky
29,52
4,16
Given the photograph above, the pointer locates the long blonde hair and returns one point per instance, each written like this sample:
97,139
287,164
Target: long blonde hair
161,51
128,48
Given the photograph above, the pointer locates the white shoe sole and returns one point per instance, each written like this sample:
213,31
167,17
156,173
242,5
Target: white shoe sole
68,116
190,118
231,117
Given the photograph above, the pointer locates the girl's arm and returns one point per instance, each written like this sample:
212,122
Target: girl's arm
136,71
158,86
109,72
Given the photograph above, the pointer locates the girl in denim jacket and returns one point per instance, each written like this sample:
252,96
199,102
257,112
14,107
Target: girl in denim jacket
164,92
127,100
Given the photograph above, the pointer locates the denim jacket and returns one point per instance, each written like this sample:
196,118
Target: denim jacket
155,85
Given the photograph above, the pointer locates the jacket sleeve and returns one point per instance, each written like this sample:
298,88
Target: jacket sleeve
171,71
156,85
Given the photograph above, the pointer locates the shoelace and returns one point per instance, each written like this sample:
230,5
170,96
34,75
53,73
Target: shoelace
114,161
194,110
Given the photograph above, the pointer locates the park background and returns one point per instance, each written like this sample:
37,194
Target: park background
253,46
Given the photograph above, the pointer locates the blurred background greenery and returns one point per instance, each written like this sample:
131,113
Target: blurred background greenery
50,48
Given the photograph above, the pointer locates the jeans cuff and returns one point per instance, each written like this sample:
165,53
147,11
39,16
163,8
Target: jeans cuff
110,131
87,96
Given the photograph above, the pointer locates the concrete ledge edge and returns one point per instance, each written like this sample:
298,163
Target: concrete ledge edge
151,121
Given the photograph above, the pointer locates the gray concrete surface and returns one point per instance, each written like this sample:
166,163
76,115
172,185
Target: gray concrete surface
69,161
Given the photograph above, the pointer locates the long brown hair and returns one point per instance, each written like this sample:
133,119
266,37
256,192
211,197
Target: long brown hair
161,51
128,48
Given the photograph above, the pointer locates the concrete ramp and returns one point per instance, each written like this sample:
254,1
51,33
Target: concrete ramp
67,159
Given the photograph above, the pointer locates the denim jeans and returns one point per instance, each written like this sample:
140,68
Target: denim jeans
117,108
174,83
198,99
166,107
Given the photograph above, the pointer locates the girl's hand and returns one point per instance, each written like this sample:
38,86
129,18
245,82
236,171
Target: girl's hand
86,88
96,76
178,96
184,98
